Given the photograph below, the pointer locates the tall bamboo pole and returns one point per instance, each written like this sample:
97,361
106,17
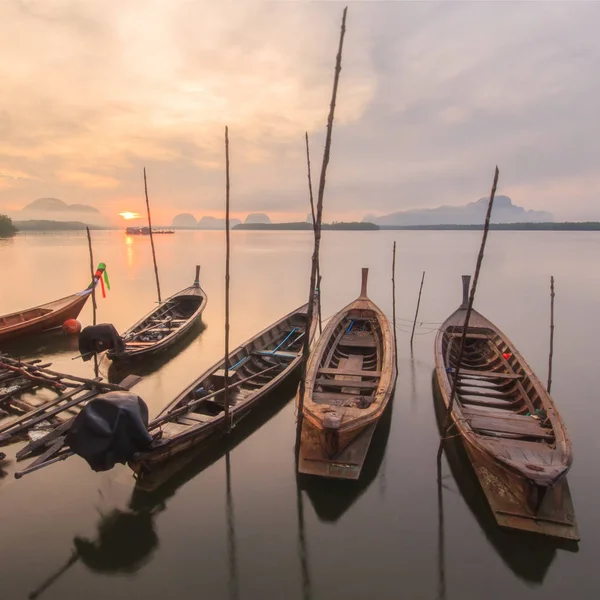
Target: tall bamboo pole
94,305
394,306
314,220
319,218
463,337
151,238
227,257
412,335
92,272
551,354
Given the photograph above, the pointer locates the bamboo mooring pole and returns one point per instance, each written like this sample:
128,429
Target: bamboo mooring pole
151,237
463,337
412,335
314,220
226,377
394,306
92,272
319,218
550,356
94,305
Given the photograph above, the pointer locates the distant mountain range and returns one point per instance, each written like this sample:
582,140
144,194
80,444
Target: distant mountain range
54,204
504,211
188,221
53,209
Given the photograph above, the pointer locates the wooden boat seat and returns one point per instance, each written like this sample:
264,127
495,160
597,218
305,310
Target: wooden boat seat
491,402
498,421
345,383
475,336
358,341
346,371
141,344
488,374
334,398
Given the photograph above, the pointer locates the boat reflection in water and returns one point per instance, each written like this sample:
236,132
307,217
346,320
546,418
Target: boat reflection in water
45,343
528,555
116,372
127,539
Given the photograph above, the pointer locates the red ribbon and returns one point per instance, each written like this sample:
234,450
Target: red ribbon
102,286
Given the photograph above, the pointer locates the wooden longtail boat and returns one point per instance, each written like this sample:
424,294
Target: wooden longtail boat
157,331
511,430
162,327
257,367
46,316
529,557
350,378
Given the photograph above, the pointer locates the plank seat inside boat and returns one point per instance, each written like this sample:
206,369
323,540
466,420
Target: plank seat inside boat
358,341
345,383
485,401
471,335
346,371
488,374
334,398
191,419
485,420
140,344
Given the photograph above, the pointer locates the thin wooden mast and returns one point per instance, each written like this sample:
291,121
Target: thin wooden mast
469,308
314,221
315,257
227,257
151,238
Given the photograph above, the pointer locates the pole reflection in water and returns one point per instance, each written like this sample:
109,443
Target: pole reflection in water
441,562
231,547
527,555
302,546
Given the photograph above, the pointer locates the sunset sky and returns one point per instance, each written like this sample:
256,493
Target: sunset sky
431,98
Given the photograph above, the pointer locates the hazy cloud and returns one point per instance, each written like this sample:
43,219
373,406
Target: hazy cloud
432,96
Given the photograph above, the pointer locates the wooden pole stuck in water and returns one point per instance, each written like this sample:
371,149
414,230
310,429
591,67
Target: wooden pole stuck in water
394,306
412,335
227,257
314,220
151,237
463,337
551,354
94,305
317,243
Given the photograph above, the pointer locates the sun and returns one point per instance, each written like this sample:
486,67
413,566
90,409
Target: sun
130,215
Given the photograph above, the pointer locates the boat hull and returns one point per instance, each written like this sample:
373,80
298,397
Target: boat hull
314,458
517,503
146,462
52,320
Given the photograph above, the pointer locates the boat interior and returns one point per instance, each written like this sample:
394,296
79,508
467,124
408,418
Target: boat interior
350,368
168,318
496,395
252,368
22,317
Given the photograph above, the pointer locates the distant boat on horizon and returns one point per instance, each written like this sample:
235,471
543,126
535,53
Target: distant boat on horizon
146,230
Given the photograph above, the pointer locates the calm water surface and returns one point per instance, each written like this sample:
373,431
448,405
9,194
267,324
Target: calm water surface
234,522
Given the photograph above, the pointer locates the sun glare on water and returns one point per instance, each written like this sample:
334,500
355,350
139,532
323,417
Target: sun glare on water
129,215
